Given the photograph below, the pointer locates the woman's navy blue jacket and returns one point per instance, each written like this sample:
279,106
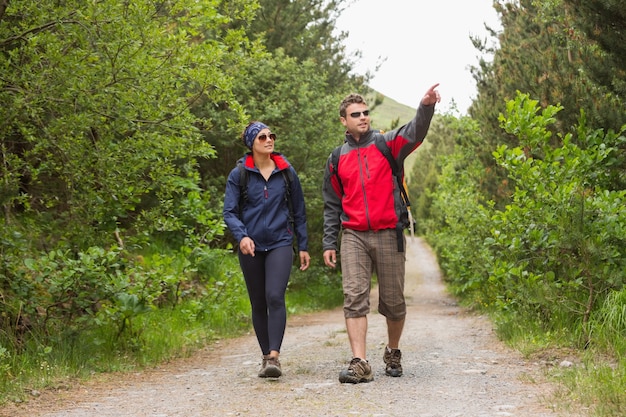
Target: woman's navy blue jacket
265,214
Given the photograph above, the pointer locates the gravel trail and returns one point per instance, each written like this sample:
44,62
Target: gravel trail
453,366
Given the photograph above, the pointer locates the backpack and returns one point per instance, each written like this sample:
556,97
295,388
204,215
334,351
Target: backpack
406,220
243,195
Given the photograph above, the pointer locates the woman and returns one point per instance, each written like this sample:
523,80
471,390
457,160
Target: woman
259,216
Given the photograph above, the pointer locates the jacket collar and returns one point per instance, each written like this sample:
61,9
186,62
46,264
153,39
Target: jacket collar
278,158
365,138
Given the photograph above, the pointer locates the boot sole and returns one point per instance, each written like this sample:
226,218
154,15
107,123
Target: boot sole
351,379
271,371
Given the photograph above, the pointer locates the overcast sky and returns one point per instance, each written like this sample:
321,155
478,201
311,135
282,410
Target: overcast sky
424,42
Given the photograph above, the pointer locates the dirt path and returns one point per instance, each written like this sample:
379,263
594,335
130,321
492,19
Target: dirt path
453,366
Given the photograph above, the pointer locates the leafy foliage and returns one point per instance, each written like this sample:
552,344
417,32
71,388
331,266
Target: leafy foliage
114,143
602,22
99,152
305,31
555,252
543,53
564,228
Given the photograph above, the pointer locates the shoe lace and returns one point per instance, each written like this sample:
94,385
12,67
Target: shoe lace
394,358
273,361
356,367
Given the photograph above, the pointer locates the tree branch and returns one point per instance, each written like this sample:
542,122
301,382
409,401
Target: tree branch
37,29
4,5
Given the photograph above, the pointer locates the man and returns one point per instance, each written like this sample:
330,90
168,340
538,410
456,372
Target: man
362,199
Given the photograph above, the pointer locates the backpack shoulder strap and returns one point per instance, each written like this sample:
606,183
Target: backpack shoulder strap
384,149
395,169
288,177
334,165
397,173
243,186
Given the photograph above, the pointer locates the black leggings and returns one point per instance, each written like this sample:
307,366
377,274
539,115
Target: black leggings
267,275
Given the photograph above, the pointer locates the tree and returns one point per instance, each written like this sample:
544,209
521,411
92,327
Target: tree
99,151
538,55
97,132
604,22
305,30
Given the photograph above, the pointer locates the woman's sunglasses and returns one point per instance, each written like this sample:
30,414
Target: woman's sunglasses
263,137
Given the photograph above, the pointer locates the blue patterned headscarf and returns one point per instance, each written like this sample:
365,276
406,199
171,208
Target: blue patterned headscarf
251,131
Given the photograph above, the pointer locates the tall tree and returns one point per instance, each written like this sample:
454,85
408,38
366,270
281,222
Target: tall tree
604,22
543,52
305,30
538,56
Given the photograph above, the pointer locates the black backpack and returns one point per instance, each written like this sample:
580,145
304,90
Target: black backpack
405,218
243,194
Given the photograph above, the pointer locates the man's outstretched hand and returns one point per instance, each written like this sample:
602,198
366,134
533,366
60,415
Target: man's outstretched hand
432,96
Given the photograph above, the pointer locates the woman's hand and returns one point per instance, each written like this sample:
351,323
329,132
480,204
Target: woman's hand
305,260
246,246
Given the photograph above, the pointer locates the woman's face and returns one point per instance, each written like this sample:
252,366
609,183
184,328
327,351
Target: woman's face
264,142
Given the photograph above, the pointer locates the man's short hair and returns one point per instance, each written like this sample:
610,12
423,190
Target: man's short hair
350,99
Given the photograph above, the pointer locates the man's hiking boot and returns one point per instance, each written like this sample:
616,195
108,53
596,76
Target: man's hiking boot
358,371
270,368
392,358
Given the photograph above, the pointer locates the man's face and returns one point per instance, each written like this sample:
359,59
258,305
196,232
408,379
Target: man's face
356,121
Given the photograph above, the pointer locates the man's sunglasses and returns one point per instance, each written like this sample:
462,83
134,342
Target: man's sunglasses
263,137
358,113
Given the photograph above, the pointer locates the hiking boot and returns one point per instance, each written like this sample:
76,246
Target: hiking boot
270,368
263,365
358,371
392,358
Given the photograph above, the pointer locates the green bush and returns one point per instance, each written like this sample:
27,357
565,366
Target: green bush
547,262
556,250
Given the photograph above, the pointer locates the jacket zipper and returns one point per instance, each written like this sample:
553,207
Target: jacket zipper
365,174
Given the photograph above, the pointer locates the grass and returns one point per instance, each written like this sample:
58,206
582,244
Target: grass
36,362
45,362
595,384
596,380
314,290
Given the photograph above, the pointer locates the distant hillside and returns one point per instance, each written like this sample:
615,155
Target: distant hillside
383,115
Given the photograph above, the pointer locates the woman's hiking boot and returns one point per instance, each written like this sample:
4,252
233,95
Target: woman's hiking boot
270,368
